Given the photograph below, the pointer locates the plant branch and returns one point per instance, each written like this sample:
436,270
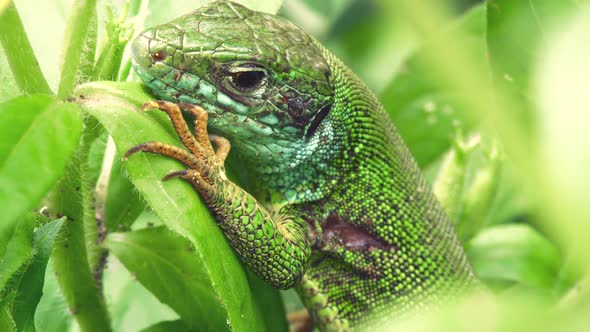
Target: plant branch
79,47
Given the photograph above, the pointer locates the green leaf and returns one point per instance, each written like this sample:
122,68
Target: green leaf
270,301
37,138
167,265
52,312
425,111
514,254
131,306
115,105
31,281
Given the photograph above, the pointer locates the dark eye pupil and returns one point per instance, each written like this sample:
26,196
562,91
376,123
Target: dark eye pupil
159,55
248,79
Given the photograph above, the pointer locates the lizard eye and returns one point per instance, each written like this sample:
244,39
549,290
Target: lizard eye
248,80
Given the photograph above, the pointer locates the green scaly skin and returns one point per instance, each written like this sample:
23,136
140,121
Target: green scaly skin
339,209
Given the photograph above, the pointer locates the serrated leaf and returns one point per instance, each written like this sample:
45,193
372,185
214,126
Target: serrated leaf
38,135
166,264
115,105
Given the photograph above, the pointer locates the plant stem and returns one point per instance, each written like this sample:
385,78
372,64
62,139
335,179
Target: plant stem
19,53
79,47
77,255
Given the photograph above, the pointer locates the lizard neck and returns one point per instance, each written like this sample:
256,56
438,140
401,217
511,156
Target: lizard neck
302,171
352,131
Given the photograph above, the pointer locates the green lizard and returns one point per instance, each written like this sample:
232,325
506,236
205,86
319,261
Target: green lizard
339,209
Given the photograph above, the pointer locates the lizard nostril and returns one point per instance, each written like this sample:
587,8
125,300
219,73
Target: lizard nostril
159,56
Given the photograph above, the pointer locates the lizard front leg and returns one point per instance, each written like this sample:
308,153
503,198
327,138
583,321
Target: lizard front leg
274,245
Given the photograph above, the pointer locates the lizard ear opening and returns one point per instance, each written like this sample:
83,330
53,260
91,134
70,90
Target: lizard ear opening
317,120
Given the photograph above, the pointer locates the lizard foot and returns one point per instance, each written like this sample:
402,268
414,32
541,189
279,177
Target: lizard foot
205,165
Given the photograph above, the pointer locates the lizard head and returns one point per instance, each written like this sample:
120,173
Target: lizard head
263,80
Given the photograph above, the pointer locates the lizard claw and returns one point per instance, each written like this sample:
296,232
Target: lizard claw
150,105
177,174
205,165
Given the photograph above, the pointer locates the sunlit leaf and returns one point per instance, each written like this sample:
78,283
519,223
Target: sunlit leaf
167,265
38,138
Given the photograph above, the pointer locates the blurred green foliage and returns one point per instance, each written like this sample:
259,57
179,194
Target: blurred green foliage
491,98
